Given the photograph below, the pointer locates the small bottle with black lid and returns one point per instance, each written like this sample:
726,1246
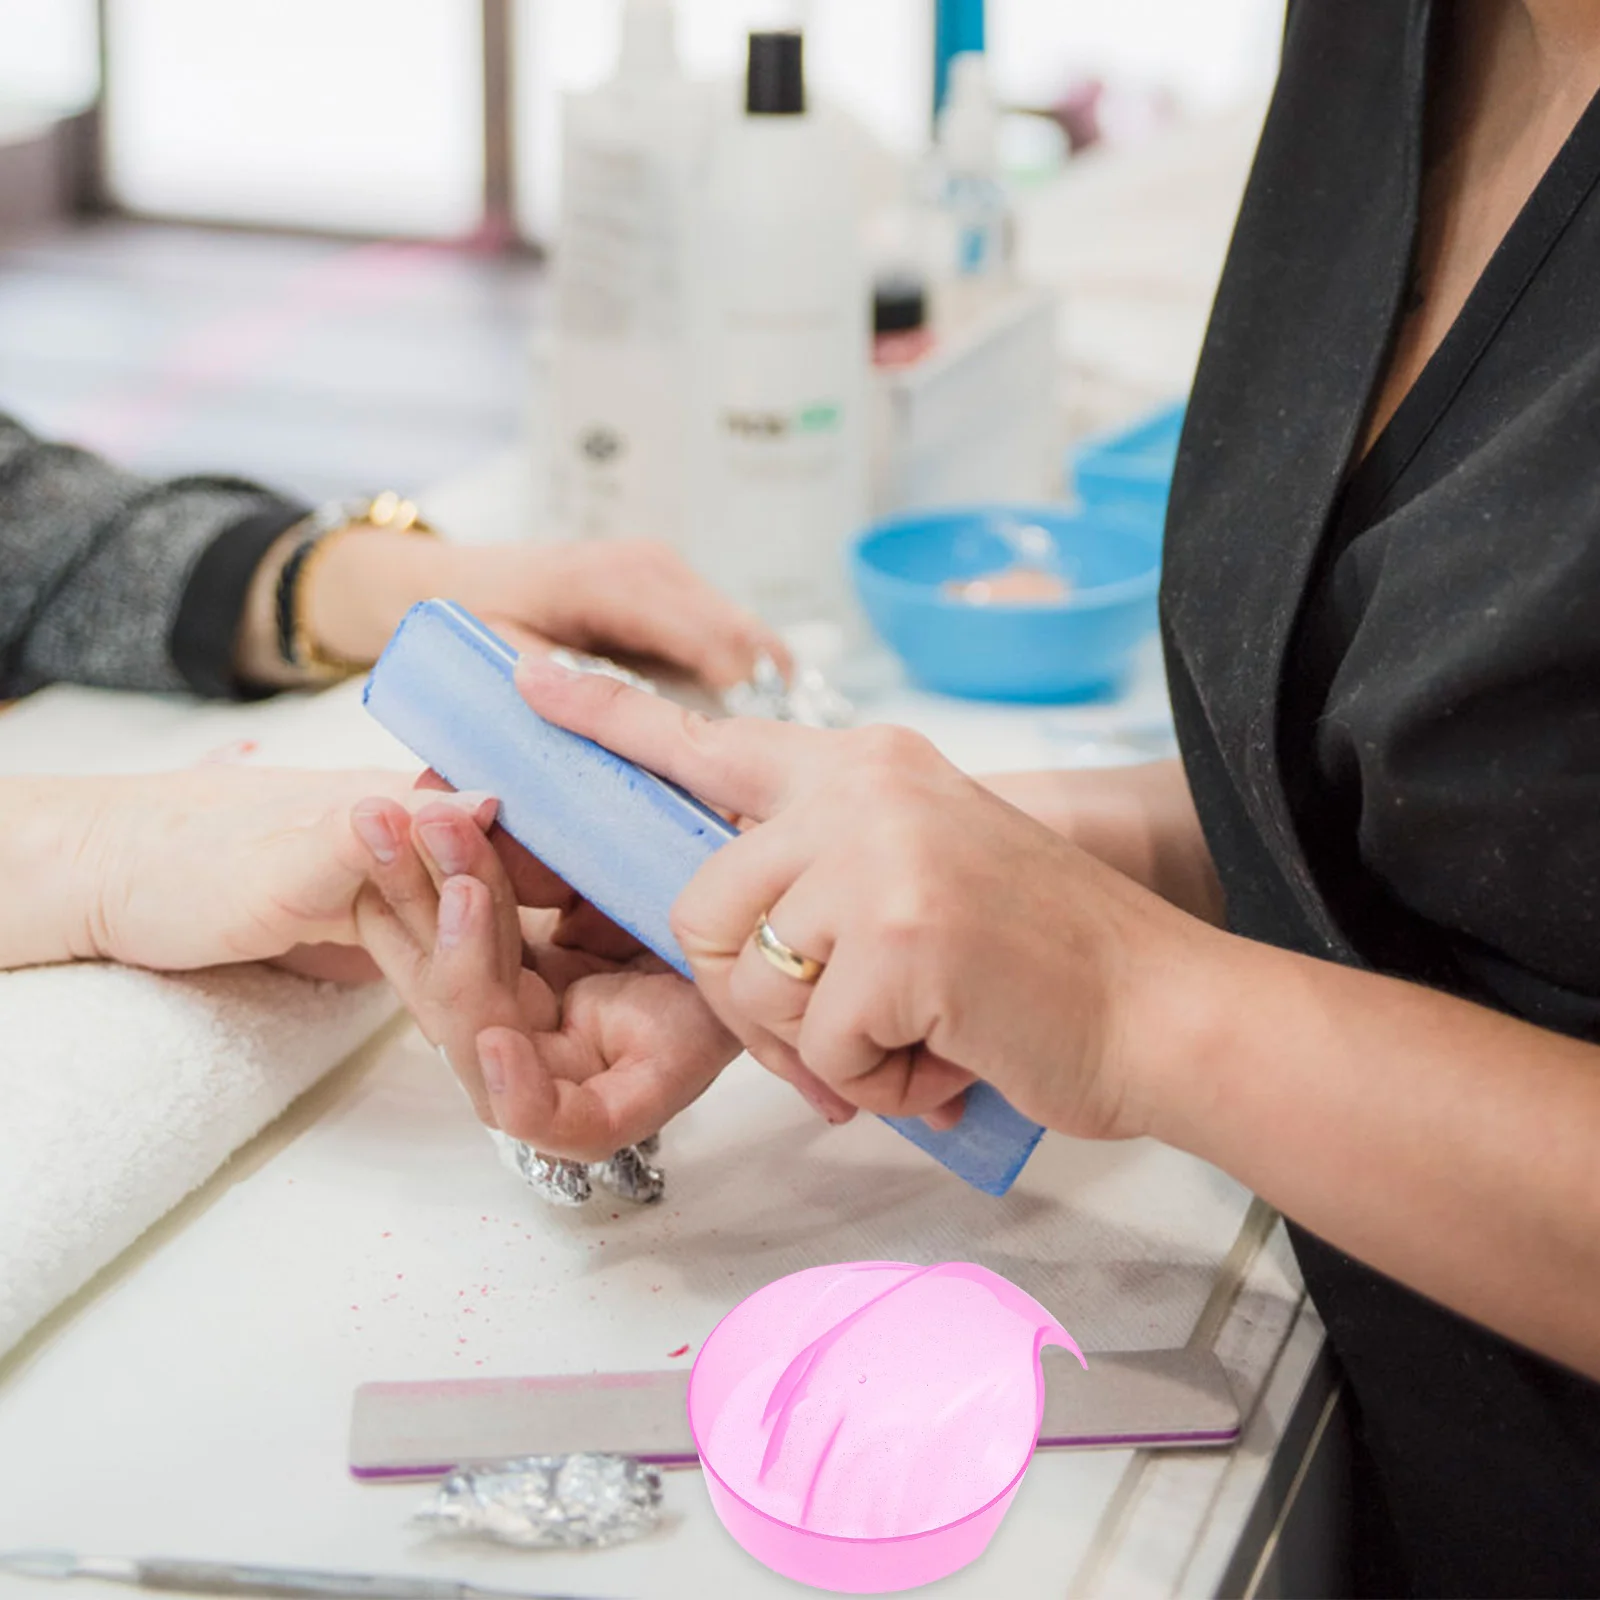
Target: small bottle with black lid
900,333
775,77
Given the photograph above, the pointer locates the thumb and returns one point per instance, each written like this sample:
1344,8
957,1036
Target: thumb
751,767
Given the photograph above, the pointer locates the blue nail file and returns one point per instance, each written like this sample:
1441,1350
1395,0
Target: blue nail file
626,840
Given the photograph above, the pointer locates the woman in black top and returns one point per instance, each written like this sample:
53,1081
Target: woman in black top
1381,611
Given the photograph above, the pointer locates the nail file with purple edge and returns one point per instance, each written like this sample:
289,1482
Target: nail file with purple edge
624,839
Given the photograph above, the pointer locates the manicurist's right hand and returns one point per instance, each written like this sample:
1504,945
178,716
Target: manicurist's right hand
949,937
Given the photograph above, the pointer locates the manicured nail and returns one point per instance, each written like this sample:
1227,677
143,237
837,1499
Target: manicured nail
820,1103
376,832
455,901
492,1063
444,844
470,801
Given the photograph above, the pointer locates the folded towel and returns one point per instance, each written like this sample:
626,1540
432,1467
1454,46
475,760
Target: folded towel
121,1091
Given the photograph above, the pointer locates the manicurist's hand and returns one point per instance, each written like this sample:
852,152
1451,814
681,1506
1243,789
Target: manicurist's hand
1139,819
960,939
198,868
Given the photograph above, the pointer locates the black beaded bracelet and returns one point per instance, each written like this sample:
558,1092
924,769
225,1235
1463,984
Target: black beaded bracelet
288,581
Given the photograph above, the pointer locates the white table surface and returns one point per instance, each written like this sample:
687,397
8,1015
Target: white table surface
195,1400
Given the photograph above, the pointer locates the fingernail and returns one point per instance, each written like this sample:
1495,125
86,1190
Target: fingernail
814,1097
454,903
469,801
491,1063
541,669
444,844
376,832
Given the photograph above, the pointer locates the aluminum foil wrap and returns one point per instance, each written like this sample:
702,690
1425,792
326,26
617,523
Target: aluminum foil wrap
577,661
628,1173
810,699
562,1183
548,1502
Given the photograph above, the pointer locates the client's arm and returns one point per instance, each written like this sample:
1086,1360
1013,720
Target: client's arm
111,579
46,828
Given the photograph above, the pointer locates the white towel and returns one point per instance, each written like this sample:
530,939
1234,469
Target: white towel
121,1091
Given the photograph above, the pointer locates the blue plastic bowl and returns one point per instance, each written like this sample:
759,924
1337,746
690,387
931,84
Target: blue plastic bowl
1077,648
1130,471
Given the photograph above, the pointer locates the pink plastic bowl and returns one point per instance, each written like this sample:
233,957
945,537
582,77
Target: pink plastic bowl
859,1566
865,1394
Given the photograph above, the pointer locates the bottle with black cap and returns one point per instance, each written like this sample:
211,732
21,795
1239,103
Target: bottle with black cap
786,349
775,83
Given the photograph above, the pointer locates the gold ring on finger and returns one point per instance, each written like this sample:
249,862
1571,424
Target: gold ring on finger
788,961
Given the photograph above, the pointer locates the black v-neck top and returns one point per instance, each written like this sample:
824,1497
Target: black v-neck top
1356,797
1387,688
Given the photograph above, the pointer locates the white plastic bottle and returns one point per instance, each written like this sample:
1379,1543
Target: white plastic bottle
633,160
783,352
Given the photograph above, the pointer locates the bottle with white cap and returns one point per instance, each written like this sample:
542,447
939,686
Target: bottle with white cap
972,197
633,157
785,349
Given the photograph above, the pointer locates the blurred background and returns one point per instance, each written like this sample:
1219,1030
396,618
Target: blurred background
304,239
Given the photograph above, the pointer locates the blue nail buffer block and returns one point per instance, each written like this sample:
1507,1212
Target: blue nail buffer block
626,840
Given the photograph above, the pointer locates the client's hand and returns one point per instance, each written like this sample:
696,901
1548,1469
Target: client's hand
616,596
227,864
561,1029
961,939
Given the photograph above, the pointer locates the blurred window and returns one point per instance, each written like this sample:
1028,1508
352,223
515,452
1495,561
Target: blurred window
354,115
369,116
49,55
1208,53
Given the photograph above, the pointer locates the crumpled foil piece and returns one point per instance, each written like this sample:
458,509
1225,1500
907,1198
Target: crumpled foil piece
577,661
561,1182
810,700
628,1173
548,1502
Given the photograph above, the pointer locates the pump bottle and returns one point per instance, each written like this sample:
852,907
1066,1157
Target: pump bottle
783,350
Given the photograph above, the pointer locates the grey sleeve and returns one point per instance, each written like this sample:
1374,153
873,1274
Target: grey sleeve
108,578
